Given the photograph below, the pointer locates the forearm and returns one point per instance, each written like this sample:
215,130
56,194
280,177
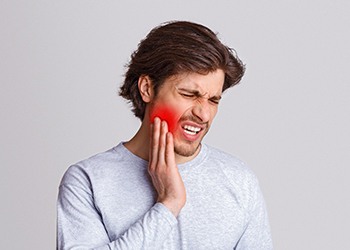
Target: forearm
79,225
148,233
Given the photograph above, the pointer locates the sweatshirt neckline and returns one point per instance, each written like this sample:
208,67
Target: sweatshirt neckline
183,166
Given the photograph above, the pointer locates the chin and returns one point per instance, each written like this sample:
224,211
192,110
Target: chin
187,150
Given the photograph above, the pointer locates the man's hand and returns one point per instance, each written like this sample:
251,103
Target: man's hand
163,169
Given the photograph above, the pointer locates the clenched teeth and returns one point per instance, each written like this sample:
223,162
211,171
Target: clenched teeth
191,130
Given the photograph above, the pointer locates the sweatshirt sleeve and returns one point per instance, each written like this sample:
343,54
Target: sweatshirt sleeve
80,225
257,235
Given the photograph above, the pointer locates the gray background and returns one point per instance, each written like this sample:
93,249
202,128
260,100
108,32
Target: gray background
61,64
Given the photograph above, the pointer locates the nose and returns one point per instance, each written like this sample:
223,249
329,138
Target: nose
201,110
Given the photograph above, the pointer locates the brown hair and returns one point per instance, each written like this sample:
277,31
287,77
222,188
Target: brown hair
174,48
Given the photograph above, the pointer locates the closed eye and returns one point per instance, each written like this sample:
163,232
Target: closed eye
194,94
214,101
187,95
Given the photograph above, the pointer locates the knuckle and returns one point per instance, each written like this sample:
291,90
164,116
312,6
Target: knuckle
151,168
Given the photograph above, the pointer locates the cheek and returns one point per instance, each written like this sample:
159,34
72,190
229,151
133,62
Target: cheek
165,113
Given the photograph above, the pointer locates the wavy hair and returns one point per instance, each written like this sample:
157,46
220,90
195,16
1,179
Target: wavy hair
174,48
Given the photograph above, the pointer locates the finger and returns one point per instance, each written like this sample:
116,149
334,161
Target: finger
169,151
162,143
155,143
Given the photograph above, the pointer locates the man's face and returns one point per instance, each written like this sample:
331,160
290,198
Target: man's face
188,103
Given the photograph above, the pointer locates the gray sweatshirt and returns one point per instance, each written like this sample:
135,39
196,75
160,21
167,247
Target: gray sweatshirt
108,202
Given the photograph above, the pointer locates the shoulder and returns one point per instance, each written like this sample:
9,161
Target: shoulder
78,173
96,166
234,167
236,172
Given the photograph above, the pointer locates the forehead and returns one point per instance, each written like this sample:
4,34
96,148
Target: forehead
211,83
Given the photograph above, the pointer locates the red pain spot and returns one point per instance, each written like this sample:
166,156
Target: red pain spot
165,113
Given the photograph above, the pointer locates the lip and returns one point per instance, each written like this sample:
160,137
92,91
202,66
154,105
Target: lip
195,136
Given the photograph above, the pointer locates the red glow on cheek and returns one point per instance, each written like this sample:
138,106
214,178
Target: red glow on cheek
165,113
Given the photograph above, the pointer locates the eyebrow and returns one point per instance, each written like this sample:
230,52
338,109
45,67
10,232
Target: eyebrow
198,94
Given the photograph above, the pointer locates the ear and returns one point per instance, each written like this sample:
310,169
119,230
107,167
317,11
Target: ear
145,88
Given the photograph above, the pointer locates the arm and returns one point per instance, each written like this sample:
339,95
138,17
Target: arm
80,226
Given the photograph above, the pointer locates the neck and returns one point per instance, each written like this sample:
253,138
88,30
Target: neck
139,144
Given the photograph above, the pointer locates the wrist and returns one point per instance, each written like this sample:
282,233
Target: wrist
174,207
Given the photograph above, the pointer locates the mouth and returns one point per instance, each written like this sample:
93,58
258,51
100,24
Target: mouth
191,130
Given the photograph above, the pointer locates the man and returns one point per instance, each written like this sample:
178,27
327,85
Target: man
164,189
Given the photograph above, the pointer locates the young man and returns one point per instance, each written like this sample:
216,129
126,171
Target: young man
164,189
